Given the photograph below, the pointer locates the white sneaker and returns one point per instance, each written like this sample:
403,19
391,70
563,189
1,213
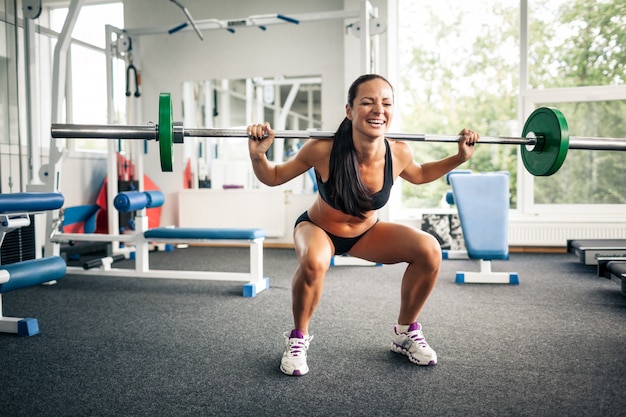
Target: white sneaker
294,358
413,345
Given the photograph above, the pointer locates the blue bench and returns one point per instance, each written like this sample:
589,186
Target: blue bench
482,202
224,236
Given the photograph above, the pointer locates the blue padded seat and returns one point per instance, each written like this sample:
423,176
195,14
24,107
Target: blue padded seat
204,233
483,206
33,272
30,202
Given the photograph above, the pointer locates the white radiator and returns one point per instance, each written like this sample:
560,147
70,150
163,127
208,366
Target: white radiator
531,233
550,232
236,208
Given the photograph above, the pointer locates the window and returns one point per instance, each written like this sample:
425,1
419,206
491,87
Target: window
577,49
88,68
460,67
588,177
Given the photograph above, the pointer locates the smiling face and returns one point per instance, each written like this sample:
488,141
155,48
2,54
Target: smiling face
372,108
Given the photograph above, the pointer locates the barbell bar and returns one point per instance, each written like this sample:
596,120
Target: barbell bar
151,132
544,143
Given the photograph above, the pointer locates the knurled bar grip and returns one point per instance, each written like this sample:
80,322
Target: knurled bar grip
150,132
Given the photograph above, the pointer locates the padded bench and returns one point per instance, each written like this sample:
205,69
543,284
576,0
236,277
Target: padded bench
14,213
180,234
253,237
589,250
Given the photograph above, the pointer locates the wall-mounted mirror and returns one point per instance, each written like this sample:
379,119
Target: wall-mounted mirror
288,103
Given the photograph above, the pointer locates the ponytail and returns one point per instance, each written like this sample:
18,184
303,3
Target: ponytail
350,195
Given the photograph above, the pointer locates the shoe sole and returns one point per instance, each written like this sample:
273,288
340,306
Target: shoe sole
296,372
402,351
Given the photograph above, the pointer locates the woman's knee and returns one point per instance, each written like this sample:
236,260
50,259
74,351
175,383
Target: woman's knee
428,253
314,251
313,267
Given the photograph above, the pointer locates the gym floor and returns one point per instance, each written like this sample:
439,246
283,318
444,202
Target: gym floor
110,346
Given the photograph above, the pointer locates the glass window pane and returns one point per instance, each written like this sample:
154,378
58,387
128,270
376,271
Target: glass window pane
459,68
88,89
576,43
9,105
4,97
88,72
588,177
91,22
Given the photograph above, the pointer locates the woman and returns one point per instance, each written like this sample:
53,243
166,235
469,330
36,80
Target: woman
355,173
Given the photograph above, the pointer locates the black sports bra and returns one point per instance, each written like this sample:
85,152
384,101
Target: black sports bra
379,199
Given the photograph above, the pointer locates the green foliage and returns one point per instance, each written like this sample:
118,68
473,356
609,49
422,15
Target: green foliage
583,44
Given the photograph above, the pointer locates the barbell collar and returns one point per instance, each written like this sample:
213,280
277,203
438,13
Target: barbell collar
178,131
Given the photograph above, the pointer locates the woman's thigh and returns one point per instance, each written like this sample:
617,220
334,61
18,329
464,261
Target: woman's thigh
390,243
312,243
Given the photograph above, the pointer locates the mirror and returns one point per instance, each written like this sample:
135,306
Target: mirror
288,103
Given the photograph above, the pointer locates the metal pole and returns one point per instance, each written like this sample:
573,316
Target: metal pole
597,144
75,131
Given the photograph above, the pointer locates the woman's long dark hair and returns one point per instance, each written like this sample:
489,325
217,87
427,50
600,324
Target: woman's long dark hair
350,195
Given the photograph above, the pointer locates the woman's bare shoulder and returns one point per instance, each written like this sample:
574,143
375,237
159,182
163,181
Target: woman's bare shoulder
401,151
315,150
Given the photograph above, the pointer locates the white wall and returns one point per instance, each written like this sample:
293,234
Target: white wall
85,182
165,61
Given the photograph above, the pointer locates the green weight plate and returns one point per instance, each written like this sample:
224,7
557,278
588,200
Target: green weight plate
550,124
166,132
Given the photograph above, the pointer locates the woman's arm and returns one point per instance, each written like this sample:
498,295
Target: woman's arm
430,171
261,136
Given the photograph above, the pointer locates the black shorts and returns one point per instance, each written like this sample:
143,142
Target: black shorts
342,244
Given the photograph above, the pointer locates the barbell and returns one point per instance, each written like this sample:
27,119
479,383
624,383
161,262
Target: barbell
544,143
